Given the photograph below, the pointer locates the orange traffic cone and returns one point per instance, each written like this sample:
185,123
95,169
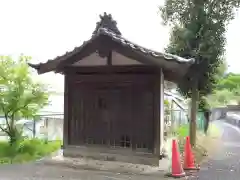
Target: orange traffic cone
177,170
189,157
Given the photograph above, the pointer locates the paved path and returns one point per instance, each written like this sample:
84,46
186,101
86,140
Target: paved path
225,163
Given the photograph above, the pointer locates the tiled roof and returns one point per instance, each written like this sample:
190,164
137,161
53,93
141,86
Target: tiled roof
155,54
107,27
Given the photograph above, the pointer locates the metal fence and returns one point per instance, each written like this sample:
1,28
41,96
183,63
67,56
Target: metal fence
44,126
180,117
48,126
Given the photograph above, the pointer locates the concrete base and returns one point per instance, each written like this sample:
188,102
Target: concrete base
107,154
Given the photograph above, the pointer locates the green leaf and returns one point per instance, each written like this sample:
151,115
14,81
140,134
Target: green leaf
198,31
20,95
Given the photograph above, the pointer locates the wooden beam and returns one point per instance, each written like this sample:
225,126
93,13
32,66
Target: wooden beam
109,59
157,116
161,119
168,75
66,117
112,69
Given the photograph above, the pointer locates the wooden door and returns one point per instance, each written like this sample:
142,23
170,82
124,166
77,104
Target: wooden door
109,120
143,115
121,115
113,120
115,113
132,116
98,124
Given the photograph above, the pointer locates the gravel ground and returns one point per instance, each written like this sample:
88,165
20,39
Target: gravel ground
225,163
39,171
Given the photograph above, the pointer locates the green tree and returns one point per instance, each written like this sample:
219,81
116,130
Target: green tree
230,82
222,69
221,98
198,31
20,95
227,91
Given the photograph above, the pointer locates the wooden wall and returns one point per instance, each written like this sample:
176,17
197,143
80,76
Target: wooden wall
113,110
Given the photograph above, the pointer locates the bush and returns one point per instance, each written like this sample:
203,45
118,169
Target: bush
27,150
183,131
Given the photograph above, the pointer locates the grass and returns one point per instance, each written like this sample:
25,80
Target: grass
27,150
183,131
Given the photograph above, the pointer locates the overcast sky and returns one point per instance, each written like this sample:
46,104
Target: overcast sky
45,29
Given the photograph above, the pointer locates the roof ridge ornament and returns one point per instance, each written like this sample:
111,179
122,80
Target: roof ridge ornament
107,22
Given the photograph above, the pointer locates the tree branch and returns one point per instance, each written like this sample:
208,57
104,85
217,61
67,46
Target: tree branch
19,108
5,115
4,130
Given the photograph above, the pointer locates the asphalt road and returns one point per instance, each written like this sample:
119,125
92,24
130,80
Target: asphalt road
225,163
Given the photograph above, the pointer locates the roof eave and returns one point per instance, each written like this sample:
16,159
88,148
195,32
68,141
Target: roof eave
35,66
56,64
40,69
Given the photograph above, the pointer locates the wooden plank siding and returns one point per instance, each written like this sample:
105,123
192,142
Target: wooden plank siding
124,119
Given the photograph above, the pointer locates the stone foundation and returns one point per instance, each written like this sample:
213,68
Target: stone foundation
107,154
